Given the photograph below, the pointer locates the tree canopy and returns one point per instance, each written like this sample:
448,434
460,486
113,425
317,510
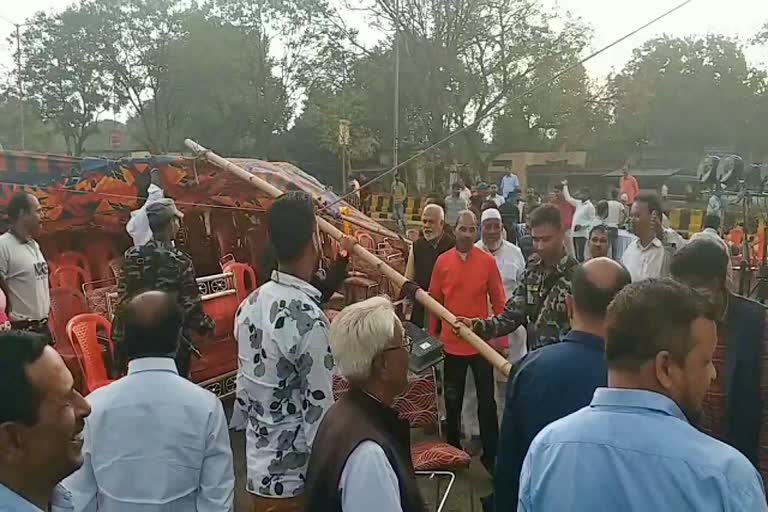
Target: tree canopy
274,78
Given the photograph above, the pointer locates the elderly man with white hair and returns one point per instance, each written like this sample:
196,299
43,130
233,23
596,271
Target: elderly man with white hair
432,242
361,457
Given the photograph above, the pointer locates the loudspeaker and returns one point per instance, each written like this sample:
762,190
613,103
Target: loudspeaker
730,170
707,170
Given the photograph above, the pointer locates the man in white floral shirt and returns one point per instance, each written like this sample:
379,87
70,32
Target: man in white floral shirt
284,384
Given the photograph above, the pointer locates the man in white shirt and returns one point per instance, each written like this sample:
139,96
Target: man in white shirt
583,219
711,231
454,204
361,460
284,381
23,266
510,182
650,256
511,263
495,197
466,193
154,441
617,215
715,205
138,225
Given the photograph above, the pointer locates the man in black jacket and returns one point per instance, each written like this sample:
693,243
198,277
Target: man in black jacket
734,409
361,453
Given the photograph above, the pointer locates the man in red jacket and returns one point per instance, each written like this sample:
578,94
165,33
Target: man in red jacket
464,280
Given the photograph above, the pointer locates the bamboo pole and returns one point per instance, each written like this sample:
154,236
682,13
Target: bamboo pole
422,296
372,229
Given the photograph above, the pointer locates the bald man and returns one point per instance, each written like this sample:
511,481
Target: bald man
557,380
433,241
153,437
466,280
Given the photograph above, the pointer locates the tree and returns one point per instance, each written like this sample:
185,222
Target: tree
685,94
463,59
63,74
302,36
133,54
37,135
224,91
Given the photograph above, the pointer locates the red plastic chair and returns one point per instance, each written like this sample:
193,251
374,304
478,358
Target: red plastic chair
244,277
100,250
66,303
75,258
365,240
70,276
418,406
82,333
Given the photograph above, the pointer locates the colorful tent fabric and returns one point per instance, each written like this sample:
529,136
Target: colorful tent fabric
101,192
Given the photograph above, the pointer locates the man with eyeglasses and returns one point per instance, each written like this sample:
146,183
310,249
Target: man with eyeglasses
361,456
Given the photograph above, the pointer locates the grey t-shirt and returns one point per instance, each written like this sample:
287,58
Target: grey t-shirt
25,271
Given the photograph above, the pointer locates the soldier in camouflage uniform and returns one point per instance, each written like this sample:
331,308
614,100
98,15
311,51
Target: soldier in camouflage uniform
539,300
159,265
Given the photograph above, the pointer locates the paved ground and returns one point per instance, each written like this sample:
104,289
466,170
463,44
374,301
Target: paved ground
460,500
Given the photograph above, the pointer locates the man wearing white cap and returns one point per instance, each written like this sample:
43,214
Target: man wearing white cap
509,258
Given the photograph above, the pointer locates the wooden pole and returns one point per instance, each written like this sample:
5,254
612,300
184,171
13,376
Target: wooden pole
422,296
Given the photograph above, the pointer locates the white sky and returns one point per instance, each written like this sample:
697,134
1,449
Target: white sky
610,19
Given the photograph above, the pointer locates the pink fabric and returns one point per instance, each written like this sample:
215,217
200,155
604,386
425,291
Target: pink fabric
5,323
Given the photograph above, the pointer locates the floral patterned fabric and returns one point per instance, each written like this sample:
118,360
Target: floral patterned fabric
284,382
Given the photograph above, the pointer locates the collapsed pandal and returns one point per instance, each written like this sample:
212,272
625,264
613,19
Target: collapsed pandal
87,203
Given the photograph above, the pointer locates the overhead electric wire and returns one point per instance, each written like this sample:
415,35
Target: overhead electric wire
522,95
3,18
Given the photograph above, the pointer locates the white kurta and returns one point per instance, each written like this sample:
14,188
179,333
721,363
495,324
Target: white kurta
511,263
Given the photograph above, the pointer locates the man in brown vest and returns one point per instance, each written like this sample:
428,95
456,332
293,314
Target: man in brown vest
361,456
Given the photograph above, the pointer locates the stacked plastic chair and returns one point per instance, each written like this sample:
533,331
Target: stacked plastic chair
66,303
244,277
70,276
82,331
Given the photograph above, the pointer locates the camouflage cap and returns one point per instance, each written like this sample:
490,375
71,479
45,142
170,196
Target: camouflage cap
163,210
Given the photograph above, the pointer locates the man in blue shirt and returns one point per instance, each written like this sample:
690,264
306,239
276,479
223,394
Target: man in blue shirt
634,448
155,441
558,379
41,425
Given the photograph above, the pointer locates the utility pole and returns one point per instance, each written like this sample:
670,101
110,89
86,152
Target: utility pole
396,116
20,86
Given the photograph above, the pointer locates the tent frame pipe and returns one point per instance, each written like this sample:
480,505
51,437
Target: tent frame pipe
431,305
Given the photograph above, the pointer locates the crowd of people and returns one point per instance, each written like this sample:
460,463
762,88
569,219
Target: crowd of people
638,382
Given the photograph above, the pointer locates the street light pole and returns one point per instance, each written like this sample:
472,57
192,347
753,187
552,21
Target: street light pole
396,116
21,90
